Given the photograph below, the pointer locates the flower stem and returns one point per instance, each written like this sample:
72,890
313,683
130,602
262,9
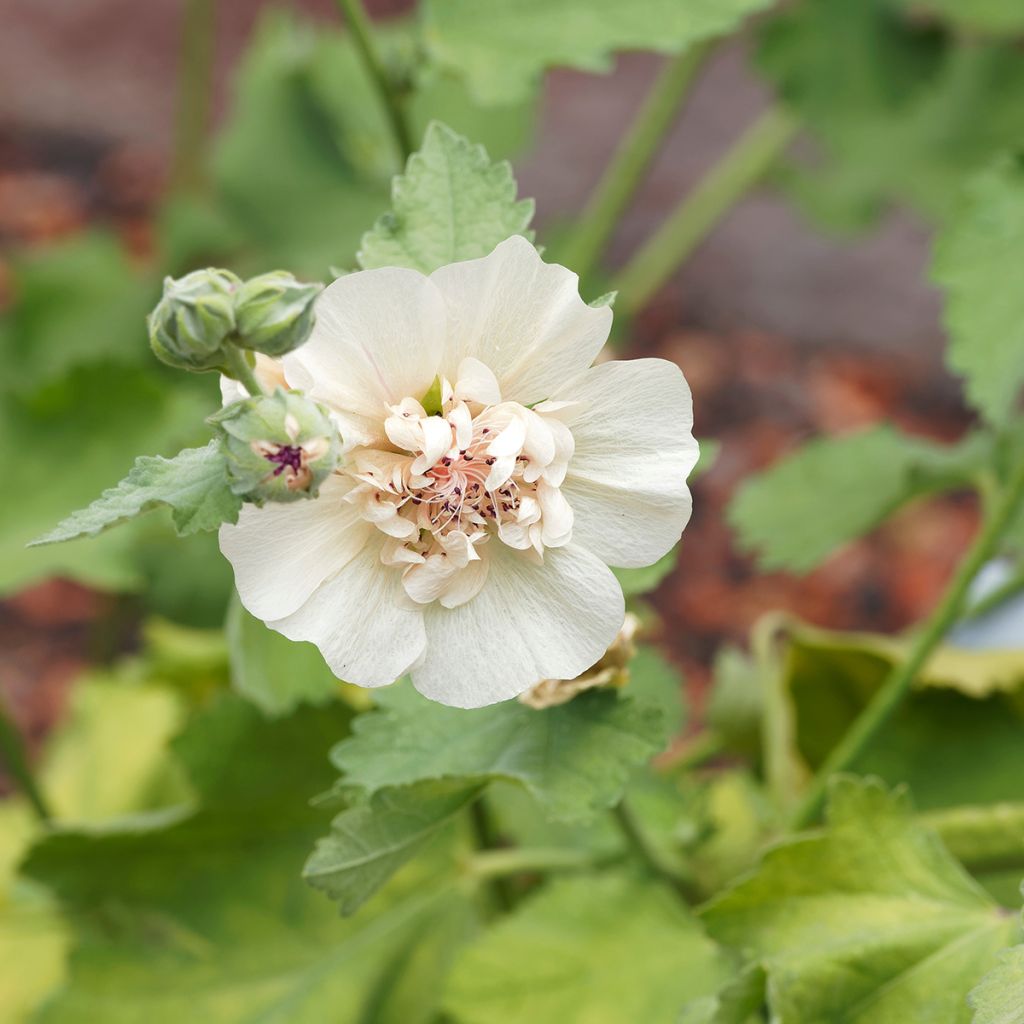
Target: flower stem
649,855
362,35
1011,588
489,864
195,88
632,158
720,189
12,752
896,687
485,837
237,368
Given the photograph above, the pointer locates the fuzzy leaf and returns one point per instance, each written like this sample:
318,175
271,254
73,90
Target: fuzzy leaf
833,490
194,484
575,759
451,204
503,47
869,922
602,950
368,843
999,997
976,259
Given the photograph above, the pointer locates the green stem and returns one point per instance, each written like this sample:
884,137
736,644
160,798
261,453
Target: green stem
195,89
362,35
237,368
984,839
1011,588
697,752
720,189
896,687
486,837
647,852
489,864
631,160
12,752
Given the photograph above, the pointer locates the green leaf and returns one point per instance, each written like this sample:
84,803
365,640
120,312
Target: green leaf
575,758
833,490
869,922
603,950
735,708
273,672
992,16
974,261
194,484
503,47
738,1002
451,204
999,997
368,843
642,581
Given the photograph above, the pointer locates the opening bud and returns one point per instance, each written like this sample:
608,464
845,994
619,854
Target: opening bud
274,312
194,319
278,447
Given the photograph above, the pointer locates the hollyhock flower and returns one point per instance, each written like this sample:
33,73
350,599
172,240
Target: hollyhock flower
490,475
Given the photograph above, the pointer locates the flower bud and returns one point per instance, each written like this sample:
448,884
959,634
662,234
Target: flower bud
278,447
192,322
274,312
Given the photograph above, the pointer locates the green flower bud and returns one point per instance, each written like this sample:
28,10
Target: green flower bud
274,312
278,447
192,322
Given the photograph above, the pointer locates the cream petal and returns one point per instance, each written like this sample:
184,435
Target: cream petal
466,583
475,382
378,338
523,318
282,553
366,629
626,482
529,622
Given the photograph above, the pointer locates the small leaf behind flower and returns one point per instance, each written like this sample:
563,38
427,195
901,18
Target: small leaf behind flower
193,484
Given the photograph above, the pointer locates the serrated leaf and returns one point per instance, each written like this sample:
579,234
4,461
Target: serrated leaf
833,490
194,484
603,950
974,262
999,996
503,47
368,843
575,758
737,1002
451,204
869,922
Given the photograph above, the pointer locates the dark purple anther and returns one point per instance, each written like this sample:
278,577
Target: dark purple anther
288,457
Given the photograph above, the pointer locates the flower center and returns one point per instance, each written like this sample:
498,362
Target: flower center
448,484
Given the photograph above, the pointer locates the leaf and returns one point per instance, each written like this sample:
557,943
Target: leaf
737,1002
368,843
451,204
604,950
273,672
735,709
869,922
194,484
999,996
993,16
200,914
574,758
642,581
504,46
833,490
974,261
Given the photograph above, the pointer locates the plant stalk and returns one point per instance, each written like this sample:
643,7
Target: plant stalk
720,189
13,754
362,35
237,368
645,851
631,160
900,680
195,90
984,839
486,838
489,864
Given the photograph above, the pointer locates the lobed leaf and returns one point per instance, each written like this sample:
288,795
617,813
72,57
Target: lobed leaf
999,996
451,204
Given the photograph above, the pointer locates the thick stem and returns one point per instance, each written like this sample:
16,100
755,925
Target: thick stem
195,88
645,851
362,35
631,160
720,189
12,752
1003,593
896,687
236,366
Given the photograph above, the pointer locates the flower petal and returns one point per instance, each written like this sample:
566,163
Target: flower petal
367,630
523,318
282,553
529,622
634,449
379,338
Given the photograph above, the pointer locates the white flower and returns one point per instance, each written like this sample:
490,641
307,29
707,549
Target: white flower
490,477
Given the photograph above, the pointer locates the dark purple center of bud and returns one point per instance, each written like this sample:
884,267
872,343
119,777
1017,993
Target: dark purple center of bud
287,457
